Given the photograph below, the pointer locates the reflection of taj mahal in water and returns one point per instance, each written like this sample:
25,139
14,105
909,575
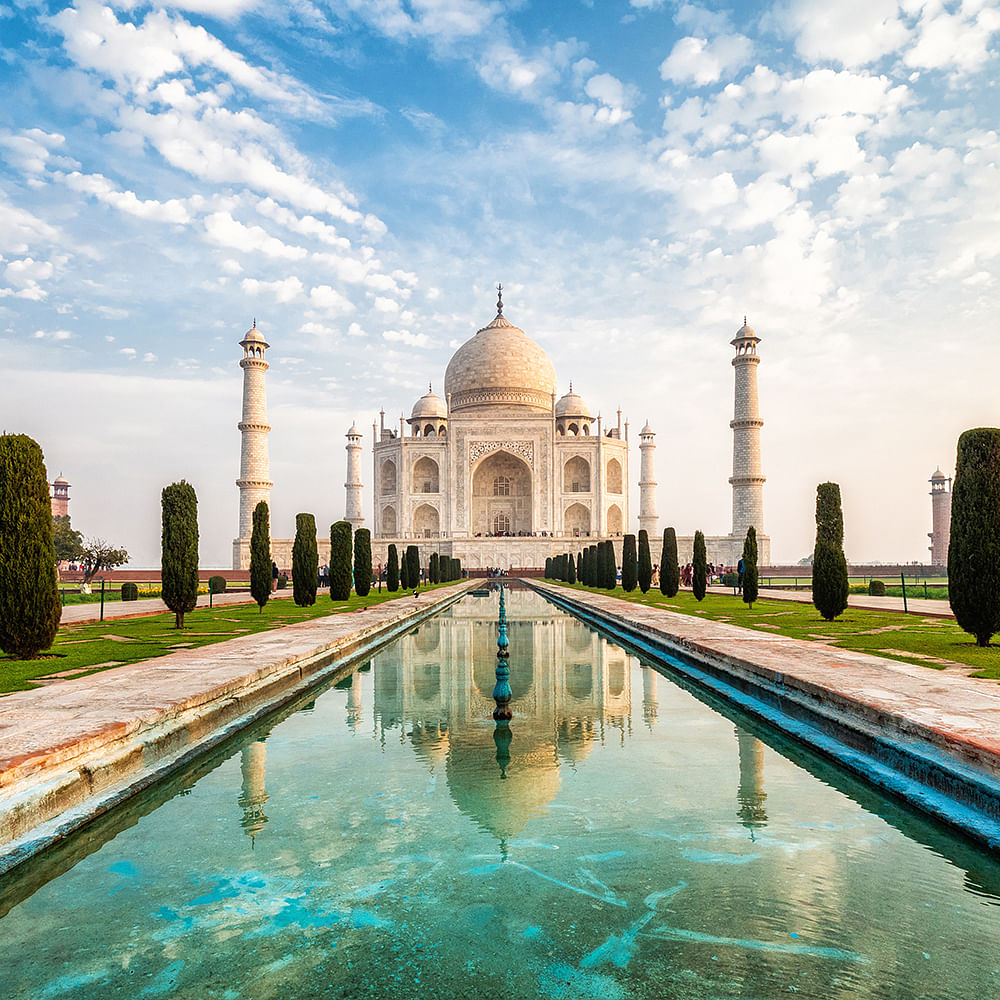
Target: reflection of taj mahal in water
571,689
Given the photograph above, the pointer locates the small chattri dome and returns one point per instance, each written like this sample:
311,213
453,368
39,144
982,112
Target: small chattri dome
254,336
63,481
647,430
938,474
572,405
353,432
429,406
745,332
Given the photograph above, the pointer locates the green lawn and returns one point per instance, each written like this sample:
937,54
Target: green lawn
911,638
94,646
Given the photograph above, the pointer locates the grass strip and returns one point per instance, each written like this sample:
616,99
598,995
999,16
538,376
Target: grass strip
926,642
85,648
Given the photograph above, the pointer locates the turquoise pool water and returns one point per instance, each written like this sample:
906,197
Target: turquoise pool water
631,840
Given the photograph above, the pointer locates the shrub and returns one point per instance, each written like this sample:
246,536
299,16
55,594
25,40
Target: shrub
216,584
179,549
340,561
670,571
30,606
750,567
630,564
829,576
876,588
974,550
362,562
260,555
282,581
731,580
645,568
305,561
699,567
130,592
392,570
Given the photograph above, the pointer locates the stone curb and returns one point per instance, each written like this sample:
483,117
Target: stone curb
70,753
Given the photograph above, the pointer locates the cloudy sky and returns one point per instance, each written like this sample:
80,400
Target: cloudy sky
358,175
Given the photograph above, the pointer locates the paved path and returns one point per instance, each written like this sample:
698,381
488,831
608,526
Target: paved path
924,606
74,613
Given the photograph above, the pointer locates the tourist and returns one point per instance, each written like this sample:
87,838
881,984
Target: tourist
274,576
739,576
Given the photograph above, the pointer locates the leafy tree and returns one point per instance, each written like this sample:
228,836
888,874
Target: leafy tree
412,567
98,555
29,594
699,567
645,569
362,562
305,561
750,567
670,571
392,570
974,549
829,576
179,549
68,543
630,564
260,555
570,569
340,561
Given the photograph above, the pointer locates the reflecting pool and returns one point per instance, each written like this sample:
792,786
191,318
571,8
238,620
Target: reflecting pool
626,837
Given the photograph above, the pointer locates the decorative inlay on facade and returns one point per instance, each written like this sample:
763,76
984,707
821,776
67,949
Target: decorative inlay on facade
524,396
523,449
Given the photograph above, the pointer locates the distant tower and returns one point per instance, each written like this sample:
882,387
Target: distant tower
354,516
254,482
940,536
648,518
747,480
253,793
59,497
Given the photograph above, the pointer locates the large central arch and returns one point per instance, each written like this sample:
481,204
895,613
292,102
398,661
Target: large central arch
501,495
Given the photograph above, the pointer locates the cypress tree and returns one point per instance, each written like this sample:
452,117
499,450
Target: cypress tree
579,566
404,571
340,561
974,549
699,566
630,564
645,570
412,567
392,570
670,571
30,607
593,574
362,562
610,567
305,561
571,570
829,576
179,550
434,571
750,567
583,573
458,569
548,568
260,556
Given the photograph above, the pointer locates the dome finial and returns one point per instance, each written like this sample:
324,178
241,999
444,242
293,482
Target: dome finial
744,319
499,300
570,385
255,323
430,387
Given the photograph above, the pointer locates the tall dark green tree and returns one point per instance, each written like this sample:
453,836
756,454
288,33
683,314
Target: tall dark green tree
570,569
579,566
610,566
670,571
829,576
593,563
750,567
412,567
548,568
630,564
434,570
305,561
29,592
179,550
392,570
699,567
645,569
404,572
340,561
260,555
362,562
974,548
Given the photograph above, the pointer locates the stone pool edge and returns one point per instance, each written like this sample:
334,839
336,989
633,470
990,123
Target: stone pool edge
881,719
52,785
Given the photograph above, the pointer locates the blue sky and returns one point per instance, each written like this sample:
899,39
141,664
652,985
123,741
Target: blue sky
639,175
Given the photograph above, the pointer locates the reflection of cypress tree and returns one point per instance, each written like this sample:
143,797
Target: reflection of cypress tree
751,792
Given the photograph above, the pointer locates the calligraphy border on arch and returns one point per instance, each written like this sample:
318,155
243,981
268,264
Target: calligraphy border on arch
523,449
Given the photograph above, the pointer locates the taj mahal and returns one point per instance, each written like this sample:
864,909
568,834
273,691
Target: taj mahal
502,471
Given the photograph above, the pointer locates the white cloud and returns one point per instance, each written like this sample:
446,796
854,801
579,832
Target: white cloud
613,94
223,230
52,335
405,337
330,301
957,41
386,305
850,32
100,187
129,352
284,290
702,61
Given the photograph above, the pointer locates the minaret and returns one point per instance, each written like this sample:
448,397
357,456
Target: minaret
747,480
253,793
59,498
648,518
751,794
940,535
353,515
254,482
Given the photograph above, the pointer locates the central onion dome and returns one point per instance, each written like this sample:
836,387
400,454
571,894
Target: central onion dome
500,365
